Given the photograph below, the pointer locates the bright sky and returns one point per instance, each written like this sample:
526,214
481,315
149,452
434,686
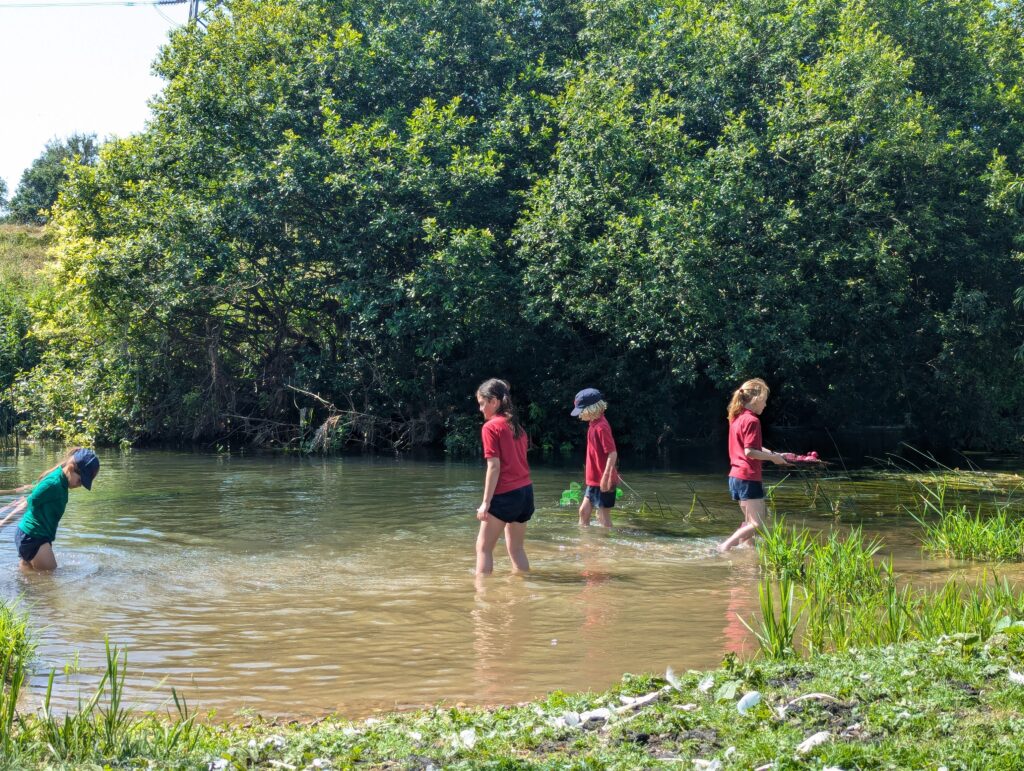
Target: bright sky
70,69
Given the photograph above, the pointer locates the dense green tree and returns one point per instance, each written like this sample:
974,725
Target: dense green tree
323,200
798,190
41,182
382,202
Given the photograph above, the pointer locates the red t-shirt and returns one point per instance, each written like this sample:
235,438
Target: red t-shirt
744,431
499,443
600,444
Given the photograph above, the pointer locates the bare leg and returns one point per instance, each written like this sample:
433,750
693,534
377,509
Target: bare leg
515,539
753,516
44,559
490,532
585,508
604,516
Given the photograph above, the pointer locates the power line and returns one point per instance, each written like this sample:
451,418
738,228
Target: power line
94,4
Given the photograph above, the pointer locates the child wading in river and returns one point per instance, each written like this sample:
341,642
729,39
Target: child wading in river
44,507
746,456
508,492
602,457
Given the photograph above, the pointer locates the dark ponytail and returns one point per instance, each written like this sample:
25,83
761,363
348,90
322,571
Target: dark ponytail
502,391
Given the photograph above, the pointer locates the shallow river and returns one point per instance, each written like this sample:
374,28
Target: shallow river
295,587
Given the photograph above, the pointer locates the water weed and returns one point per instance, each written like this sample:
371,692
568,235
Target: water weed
783,550
777,629
15,641
956,532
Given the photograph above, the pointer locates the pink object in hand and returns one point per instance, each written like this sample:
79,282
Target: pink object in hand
811,457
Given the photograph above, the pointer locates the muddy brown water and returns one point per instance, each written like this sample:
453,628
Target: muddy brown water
295,587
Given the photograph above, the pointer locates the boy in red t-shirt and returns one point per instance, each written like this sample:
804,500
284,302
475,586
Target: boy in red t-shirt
602,458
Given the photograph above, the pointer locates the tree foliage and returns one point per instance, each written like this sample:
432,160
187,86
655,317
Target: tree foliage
41,182
384,202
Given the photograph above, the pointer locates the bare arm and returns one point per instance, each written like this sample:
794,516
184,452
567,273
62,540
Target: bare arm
609,471
17,490
13,510
765,454
490,482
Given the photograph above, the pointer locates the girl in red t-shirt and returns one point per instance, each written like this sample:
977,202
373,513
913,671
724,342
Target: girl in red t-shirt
508,492
746,454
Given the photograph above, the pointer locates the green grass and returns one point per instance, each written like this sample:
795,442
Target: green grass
783,550
850,598
15,641
951,529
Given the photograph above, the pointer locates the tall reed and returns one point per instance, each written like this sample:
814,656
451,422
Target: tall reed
851,598
783,550
776,631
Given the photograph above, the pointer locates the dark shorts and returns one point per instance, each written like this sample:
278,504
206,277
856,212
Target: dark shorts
745,490
514,506
27,545
598,499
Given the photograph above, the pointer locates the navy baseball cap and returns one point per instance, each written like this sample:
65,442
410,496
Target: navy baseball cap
584,399
88,466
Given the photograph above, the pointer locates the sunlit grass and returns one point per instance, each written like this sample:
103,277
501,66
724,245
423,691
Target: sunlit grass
850,598
951,529
22,253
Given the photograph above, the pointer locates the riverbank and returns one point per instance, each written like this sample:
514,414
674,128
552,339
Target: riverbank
954,702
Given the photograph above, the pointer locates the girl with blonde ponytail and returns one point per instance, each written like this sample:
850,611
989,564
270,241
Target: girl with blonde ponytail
746,456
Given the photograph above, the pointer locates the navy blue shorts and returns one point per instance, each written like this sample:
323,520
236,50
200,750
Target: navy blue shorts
599,499
28,546
514,506
745,490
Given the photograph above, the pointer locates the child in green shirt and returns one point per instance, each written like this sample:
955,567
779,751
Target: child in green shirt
43,507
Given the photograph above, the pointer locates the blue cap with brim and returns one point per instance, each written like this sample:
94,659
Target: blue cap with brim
584,399
88,466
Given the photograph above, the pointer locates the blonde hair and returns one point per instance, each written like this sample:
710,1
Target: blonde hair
745,394
595,410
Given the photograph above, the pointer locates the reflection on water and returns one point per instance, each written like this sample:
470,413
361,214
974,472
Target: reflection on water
302,586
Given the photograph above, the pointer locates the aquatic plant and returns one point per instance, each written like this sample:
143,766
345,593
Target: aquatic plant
952,530
851,599
783,551
15,641
776,631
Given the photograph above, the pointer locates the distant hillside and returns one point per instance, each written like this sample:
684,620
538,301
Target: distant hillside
22,252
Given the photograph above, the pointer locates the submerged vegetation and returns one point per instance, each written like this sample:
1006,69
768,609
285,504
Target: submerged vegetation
342,216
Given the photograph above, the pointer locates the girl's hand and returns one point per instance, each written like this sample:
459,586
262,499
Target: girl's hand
481,513
779,459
